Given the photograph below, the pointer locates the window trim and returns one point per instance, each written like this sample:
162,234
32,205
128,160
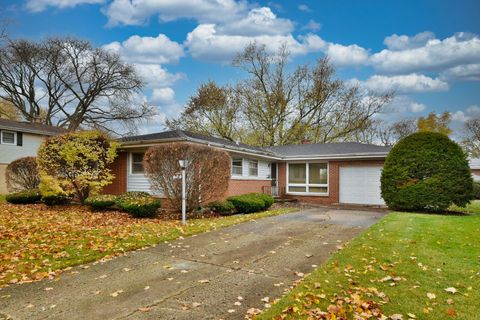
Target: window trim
131,163
241,167
14,138
250,161
307,185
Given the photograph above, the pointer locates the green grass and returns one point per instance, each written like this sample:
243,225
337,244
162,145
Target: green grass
36,240
2,198
428,253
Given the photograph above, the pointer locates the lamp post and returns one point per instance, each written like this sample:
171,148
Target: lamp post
182,164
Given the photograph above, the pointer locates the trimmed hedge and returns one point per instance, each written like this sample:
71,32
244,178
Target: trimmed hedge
138,204
426,171
224,208
24,197
101,201
251,202
56,199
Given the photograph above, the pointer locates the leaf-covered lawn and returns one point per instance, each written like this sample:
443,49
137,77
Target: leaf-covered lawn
37,241
407,266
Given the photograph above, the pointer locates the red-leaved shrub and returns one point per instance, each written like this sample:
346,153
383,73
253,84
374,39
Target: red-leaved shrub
207,172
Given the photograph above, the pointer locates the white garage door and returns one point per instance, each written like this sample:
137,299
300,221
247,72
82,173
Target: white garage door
360,185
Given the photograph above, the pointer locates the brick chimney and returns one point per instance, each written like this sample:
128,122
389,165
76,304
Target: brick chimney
306,141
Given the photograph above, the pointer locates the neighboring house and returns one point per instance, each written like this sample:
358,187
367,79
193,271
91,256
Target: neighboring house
319,173
475,168
20,139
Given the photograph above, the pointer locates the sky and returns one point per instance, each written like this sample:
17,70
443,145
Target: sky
427,51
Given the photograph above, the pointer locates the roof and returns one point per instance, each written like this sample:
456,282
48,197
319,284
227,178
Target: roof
182,135
315,150
37,128
329,149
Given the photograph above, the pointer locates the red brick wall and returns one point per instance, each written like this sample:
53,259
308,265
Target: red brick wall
238,187
476,172
119,170
333,180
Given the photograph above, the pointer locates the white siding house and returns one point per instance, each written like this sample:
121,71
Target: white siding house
18,140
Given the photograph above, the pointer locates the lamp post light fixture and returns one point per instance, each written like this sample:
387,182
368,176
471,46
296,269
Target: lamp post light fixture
182,164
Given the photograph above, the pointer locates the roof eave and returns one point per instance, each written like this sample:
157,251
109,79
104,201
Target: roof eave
39,132
361,155
147,143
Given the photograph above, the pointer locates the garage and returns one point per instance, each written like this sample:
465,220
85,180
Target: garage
360,185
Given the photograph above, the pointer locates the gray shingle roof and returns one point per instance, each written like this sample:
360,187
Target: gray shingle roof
189,136
325,149
37,128
288,151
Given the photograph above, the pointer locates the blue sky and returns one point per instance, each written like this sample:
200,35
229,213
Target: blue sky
428,51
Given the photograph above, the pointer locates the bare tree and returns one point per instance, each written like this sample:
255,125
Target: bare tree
213,110
68,83
471,140
385,133
277,106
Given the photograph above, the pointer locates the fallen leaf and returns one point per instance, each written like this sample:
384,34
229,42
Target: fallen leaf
451,290
144,309
204,281
431,296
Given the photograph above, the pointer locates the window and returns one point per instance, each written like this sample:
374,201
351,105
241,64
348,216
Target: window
237,167
8,137
253,168
308,178
137,162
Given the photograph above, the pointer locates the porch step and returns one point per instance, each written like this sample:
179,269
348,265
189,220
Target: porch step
284,200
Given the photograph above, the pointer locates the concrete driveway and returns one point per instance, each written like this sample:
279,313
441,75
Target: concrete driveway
214,275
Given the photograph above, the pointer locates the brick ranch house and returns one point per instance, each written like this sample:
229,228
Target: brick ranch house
318,173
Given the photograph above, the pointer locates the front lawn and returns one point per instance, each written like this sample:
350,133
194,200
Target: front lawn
407,266
37,241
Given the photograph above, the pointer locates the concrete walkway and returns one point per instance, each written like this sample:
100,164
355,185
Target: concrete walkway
214,275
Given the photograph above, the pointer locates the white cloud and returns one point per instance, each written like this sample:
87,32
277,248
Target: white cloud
163,96
155,76
41,5
400,107
205,43
158,49
417,107
341,55
312,25
469,72
404,42
127,12
459,49
404,83
304,8
471,112
259,21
